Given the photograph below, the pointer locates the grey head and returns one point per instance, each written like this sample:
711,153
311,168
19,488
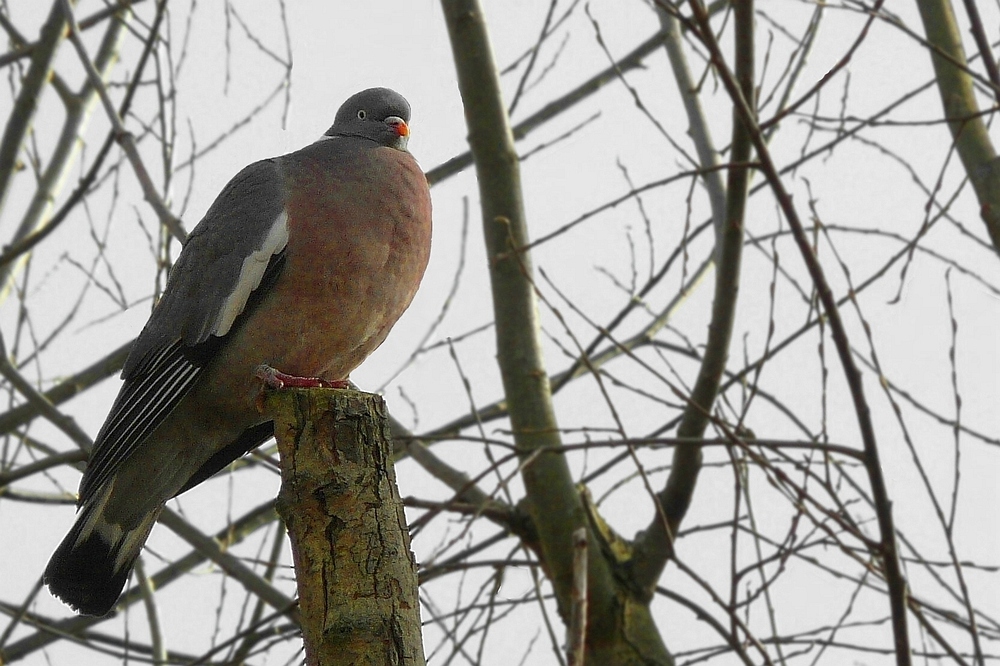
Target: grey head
378,114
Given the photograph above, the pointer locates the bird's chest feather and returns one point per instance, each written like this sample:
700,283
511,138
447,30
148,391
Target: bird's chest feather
357,224
358,245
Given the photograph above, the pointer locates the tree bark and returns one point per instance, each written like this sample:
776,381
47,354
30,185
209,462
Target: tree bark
356,576
968,129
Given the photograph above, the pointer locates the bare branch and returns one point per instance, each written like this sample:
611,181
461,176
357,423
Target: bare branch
122,135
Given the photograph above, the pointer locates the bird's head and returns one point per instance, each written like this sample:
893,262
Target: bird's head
378,114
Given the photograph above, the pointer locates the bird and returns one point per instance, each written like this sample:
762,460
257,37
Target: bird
293,277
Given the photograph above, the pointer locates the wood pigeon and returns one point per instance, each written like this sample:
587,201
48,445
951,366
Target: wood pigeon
303,264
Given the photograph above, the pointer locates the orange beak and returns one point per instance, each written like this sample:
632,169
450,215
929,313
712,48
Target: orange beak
398,124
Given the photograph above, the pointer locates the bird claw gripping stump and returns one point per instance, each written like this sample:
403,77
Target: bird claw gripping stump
276,379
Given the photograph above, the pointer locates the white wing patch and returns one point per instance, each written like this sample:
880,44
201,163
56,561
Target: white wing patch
251,274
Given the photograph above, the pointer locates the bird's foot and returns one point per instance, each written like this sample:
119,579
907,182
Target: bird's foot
276,379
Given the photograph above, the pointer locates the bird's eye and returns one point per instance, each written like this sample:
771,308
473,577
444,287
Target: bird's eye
362,114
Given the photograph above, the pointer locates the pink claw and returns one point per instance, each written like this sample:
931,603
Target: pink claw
276,379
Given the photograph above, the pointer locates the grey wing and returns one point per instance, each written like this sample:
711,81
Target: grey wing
235,251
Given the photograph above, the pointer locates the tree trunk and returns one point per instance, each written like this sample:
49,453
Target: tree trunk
356,576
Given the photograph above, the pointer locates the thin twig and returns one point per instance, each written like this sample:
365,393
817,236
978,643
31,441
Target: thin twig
577,628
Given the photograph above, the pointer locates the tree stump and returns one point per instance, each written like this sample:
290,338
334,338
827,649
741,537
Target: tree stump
356,576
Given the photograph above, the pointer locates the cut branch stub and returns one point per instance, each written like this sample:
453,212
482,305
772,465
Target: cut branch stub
356,576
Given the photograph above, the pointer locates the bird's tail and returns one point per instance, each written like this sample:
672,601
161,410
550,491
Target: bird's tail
91,565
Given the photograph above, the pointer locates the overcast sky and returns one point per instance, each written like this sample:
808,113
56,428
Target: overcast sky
339,48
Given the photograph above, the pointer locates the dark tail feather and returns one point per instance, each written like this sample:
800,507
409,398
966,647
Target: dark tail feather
89,572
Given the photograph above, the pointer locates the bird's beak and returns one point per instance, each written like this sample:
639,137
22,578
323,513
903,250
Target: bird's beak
399,125
402,131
